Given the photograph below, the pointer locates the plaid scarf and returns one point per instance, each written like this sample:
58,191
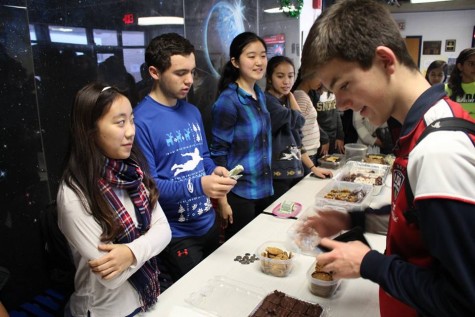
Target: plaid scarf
126,174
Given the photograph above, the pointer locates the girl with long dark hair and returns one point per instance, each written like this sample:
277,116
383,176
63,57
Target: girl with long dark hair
241,131
108,210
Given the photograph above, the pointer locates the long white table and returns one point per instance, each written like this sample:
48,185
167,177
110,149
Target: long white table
356,297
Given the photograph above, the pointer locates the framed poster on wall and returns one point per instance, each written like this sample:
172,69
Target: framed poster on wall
450,45
431,47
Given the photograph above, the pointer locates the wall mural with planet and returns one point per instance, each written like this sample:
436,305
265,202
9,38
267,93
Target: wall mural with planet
211,27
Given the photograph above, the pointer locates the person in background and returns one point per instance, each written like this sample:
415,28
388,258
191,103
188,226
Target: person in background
310,130
112,72
288,155
436,72
349,131
171,135
242,131
108,209
355,48
332,136
461,83
368,134
145,84
203,92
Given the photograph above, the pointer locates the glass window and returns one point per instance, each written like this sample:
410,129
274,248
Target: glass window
32,33
67,34
133,58
105,37
103,56
131,38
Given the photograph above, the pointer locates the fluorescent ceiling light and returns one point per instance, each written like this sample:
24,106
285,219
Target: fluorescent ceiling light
274,10
60,29
280,10
161,21
427,1
12,6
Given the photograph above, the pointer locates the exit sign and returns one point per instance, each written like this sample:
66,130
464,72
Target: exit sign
128,18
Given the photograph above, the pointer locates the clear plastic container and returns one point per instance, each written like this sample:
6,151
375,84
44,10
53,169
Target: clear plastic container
320,287
222,296
375,159
302,236
332,161
280,304
275,266
355,151
361,194
365,173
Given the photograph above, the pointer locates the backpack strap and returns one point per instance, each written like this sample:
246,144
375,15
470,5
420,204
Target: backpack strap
443,124
448,124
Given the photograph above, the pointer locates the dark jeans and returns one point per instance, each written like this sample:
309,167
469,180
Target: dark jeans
244,211
281,186
183,254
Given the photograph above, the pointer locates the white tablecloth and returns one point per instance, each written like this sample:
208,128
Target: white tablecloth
357,297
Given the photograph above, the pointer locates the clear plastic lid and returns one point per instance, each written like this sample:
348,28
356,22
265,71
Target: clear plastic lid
222,296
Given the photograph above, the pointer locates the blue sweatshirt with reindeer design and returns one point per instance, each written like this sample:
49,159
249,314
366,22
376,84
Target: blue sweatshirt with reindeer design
174,143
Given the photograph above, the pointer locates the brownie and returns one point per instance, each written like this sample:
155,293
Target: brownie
314,310
300,307
288,302
275,297
279,304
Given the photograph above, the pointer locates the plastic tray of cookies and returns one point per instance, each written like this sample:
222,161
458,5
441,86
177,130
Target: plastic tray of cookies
332,161
346,195
225,297
365,173
385,159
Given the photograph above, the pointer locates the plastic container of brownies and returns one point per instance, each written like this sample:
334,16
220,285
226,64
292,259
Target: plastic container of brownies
278,303
345,195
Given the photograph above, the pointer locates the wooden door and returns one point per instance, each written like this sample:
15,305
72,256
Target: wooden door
413,44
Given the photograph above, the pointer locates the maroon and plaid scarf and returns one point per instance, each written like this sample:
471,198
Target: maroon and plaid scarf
126,174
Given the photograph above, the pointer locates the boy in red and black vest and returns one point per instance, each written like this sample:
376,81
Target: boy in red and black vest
356,50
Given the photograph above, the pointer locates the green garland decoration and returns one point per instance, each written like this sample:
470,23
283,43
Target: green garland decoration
292,7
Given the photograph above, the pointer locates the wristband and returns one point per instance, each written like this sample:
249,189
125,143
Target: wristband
311,167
